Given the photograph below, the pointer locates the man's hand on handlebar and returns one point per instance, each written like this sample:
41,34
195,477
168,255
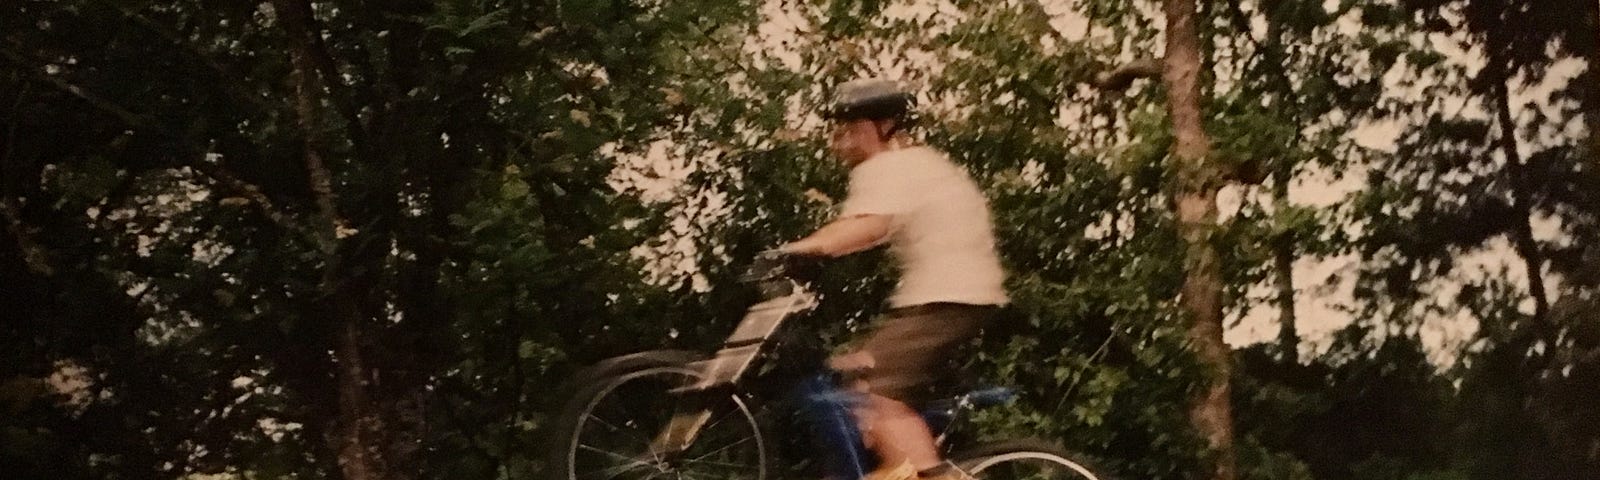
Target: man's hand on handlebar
778,263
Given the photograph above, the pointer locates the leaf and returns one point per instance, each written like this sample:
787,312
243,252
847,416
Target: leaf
489,20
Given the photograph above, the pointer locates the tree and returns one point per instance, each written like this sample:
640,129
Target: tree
1462,183
366,240
298,252
1195,200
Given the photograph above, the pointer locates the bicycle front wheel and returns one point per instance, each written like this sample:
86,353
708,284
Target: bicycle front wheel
1028,460
616,430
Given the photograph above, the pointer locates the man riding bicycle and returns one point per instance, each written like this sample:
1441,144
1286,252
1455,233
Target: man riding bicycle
936,223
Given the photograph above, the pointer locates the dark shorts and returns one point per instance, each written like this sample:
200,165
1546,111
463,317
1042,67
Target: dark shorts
915,349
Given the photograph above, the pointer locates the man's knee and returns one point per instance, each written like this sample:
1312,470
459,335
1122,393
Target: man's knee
888,407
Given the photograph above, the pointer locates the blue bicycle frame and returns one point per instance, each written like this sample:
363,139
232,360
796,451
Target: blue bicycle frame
827,411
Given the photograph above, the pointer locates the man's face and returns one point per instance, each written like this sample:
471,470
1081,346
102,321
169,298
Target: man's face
854,141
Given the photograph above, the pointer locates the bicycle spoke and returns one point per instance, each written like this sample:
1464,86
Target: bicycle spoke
631,462
719,420
720,450
630,432
611,473
698,477
617,441
723,464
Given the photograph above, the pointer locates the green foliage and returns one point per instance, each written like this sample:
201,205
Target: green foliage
529,187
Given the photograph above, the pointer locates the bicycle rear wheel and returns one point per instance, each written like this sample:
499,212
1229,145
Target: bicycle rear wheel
1028,460
613,431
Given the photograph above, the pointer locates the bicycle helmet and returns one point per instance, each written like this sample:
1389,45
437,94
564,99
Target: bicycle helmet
872,99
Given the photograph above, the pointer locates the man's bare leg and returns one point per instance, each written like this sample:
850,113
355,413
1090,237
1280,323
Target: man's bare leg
893,431
897,434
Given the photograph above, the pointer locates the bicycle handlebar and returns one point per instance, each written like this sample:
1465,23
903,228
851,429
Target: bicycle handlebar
771,265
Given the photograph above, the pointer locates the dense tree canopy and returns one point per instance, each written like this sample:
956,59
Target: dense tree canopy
367,240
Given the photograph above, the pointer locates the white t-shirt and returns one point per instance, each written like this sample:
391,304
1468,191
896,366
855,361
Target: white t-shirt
940,232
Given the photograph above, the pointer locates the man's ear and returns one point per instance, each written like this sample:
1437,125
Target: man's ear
885,128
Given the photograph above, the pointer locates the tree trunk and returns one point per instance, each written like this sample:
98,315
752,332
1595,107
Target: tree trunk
358,435
1283,245
1521,204
1591,107
1195,199
1283,274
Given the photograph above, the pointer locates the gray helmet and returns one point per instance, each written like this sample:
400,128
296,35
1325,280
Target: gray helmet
871,99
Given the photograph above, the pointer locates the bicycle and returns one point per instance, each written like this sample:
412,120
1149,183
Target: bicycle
676,414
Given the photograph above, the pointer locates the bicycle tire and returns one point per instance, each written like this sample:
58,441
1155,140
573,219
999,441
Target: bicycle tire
990,456
569,425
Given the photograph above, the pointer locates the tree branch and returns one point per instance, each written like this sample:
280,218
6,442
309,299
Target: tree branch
32,254
249,192
107,106
1120,78
307,38
294,16
11,135
216,172
224,74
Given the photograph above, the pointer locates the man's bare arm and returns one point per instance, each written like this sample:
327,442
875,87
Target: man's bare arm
843,236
